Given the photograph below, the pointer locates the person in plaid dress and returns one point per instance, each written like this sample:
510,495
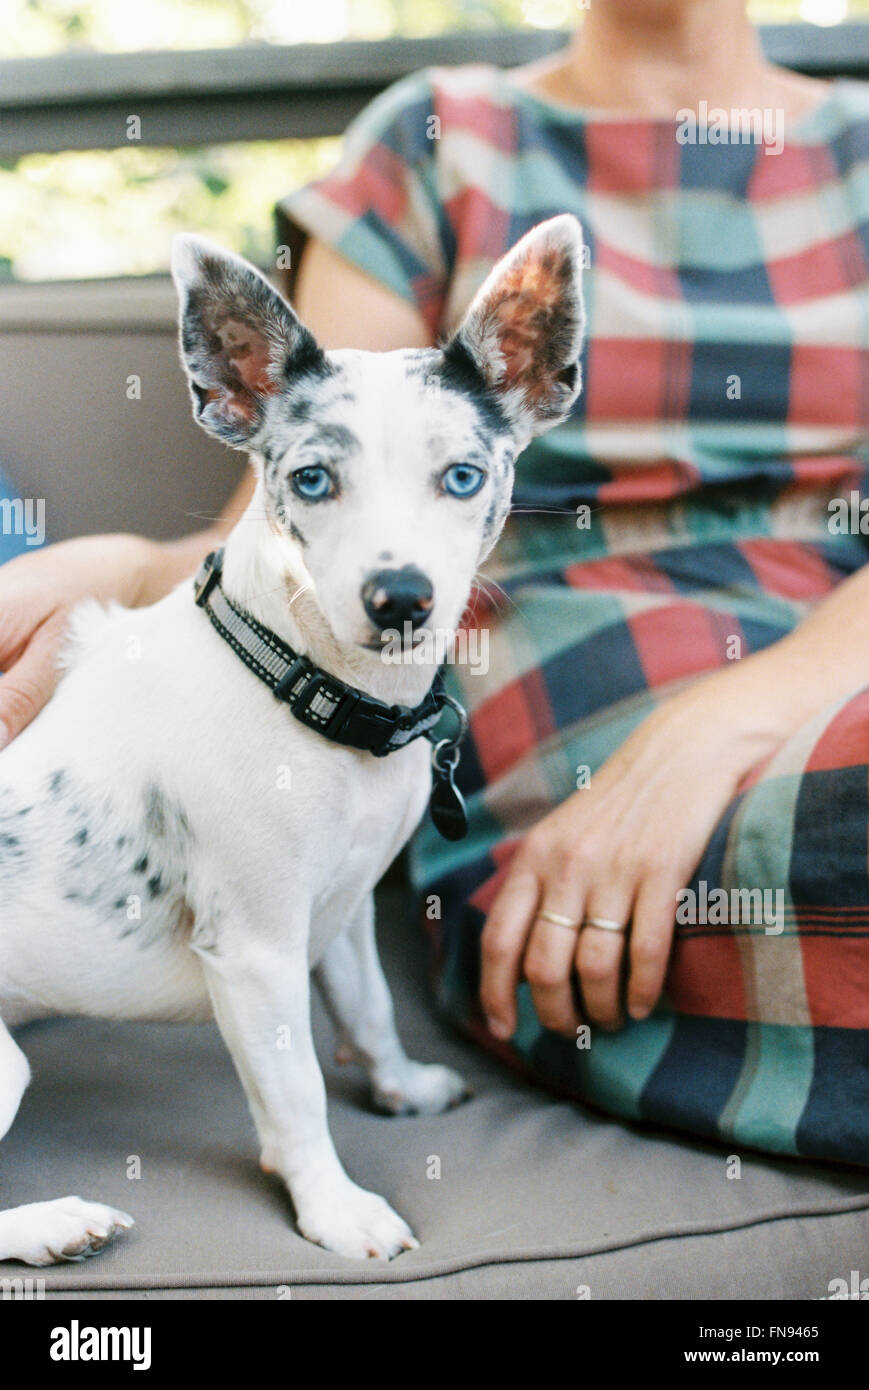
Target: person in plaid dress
677,692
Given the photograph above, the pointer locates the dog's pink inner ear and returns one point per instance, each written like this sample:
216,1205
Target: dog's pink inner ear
244,355
526,311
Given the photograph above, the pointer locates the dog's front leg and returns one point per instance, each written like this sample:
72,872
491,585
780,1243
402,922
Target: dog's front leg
356,993
261,995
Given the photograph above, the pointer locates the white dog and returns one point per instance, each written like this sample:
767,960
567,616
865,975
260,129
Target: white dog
176,843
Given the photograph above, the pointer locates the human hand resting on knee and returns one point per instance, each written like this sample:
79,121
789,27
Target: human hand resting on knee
620,850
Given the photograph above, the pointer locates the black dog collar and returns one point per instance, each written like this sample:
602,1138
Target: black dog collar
340,712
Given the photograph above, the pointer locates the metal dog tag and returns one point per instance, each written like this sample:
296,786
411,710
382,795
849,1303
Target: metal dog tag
446,804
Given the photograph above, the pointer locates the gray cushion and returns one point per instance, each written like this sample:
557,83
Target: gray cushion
538,1198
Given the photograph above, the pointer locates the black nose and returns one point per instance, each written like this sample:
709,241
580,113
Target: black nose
394,597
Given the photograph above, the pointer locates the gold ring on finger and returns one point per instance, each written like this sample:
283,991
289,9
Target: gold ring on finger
572,924
605,924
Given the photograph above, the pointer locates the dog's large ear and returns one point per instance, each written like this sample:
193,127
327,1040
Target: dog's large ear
524,329
239,339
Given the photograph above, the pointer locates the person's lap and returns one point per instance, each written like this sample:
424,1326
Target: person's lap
762,1037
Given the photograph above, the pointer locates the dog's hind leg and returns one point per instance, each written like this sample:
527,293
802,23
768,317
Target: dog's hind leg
357,996
14,1076
46,1232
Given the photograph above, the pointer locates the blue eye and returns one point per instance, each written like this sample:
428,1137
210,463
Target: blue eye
313,483
463,480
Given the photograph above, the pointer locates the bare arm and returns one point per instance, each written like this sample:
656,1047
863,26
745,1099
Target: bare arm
344,308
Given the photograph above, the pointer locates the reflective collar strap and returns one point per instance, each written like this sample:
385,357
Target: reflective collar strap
338,711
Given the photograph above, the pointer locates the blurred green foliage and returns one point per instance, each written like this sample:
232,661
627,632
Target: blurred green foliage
96,213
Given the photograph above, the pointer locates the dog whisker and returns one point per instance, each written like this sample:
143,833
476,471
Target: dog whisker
546,511
489,583
278,589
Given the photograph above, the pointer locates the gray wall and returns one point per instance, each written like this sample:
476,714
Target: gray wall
69,434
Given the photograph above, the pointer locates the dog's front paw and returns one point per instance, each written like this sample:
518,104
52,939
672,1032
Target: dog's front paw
356,1223
420,1089
45,1233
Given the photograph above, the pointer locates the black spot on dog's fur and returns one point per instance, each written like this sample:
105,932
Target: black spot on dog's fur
333,439
299,408
72,838
311,394
459,372
14,839
164,820
307,360
155,811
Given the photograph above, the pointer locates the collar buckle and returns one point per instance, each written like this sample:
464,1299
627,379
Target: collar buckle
324,703
317,699
320,701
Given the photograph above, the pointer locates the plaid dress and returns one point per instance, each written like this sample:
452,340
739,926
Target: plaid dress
680,519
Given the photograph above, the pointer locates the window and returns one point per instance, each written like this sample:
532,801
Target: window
82,213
